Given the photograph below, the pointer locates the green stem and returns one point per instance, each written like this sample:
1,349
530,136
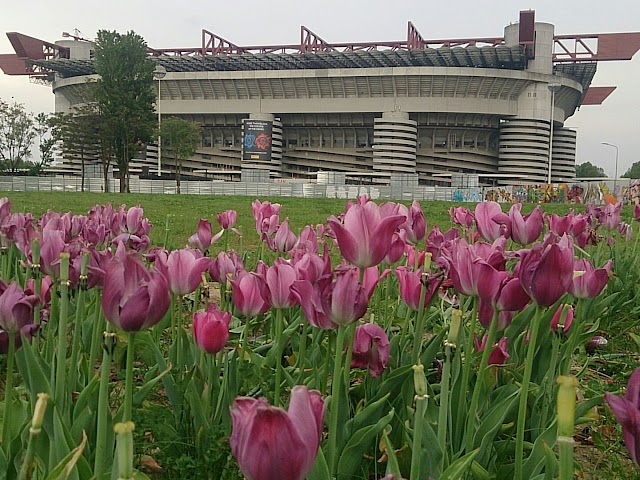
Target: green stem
416,455
278,345
8,388
102,451
336,384
98,328
565,450
77,335
351,330
524,394
549,381
302,353
403,335
128,385
477,388
443,413
179,346
61,355
417,334
466,370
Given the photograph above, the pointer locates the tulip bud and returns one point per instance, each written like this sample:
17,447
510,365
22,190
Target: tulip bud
562,319
419,380
35,253
454,326
38,413
124,449
566,405
427,261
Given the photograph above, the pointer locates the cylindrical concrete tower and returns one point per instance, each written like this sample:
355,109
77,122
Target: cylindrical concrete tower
563,167
394,143
524,150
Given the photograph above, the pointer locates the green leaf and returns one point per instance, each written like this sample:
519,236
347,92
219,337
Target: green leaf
393,467
320,470
458,468
367,416
144,391
86,397
358,444
66,466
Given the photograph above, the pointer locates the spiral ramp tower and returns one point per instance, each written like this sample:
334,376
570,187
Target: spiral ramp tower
394,143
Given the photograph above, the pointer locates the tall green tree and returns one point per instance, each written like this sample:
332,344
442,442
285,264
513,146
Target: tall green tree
587,169
633,172
17,134
47,135
181,137
125,95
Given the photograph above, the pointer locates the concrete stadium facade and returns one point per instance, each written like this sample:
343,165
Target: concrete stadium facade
422,114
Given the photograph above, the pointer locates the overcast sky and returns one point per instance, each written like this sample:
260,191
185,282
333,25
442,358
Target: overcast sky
165,24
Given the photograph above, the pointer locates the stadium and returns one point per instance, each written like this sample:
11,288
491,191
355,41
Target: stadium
415,111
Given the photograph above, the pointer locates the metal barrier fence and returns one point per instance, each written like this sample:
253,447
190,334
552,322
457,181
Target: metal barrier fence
584,192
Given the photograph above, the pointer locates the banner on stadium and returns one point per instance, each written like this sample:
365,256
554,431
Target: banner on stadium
256,140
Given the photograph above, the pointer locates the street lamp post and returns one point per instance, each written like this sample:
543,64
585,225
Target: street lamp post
159,73
615,174
553,87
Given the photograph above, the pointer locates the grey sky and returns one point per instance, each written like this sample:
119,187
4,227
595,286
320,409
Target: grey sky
165,23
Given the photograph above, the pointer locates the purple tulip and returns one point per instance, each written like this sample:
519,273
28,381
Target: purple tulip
133,298
557,319
262,211
484,215
310,266
5,210
343,299
525,229
500,290
626,230
611,215
396,250
589,281
211,329
225,266
371,278
627,411
272,444
546,271
16,308
310,299
560,225
51,246
485,316
365,236
371,349
28,331
308,240
499,354
284,240
279,278
184,270
250,294
415,227
411,282
464,267
636,213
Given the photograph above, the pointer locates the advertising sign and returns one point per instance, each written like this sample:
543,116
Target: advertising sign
256,141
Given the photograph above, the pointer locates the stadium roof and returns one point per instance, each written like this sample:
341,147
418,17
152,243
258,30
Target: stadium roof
501,56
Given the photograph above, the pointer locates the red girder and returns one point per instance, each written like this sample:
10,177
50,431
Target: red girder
212,43
26,48
311,42
414,39
595,47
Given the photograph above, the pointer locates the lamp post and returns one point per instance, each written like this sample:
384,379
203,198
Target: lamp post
159,73
615,174
553,87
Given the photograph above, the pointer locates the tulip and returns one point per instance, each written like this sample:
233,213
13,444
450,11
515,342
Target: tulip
589,281
184,270
16,308
227,220
262,211
627,411
365,236
308,240
626,230
273,444
415,227
279,279
51,247
225,266
499,354
28,331
487,227
546,271
527,229
611,217
250,294
598,342
636,213
203,238
211,329
411,283
462,216
464,268
500,290
560,225
343,299
562,319
5,210
133,298
396,250
285,240
371,349
309,298
310,266
371,278
485,316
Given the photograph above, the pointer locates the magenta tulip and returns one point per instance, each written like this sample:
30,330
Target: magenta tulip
250,294
611,215
636,213
28,332
626,230
371,349
560,225
411,282
273,444
499,354
184,270
589,281
133,298
227,219
310,299
462,216
211,329
263,211
203,238
308,240
365,236
284,240
16,308
464,267
546,271
562,319
225,266
501,290
279,278
484,215
485,316
415,227
343,299
51,246
525,229
310,266
627,411
396,250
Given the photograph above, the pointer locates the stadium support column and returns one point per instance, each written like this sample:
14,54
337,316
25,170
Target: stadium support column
563,168
394,145
254,159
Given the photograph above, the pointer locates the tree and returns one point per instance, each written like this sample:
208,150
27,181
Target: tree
181,137
17,133
587,169
47,134
125,95
633,172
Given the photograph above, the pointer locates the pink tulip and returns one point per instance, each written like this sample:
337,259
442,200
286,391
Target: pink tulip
310,266
499,354
415,227
203,238
560,225
371,278
28,332
184,270
627,411
411,282
464,267
589,281
485,316
371,349
500,290
365,236
309,298
5,210
133,298
225,266
51,246
611,215
626,230
285,240
250,294
343,299
211,329
308,240
487,227
462,216
227,219
525,229
636,213
262,211
396,250
546,271
272,444
16,308
279,278
563,318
